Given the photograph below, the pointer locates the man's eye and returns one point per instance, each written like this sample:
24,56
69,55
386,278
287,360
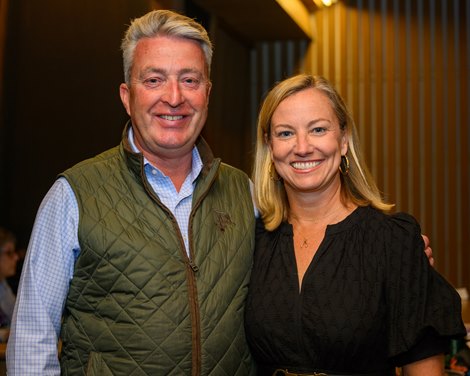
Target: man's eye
191,82
152,81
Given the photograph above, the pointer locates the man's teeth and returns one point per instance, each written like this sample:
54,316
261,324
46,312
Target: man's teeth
172,117
305,165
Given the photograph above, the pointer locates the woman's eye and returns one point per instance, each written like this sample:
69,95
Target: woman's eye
284,134
318,130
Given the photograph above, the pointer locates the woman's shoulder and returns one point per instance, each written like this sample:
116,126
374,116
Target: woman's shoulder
374,218
266,239
389,233
262,232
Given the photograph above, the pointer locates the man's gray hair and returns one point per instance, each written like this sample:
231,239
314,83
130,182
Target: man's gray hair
163,23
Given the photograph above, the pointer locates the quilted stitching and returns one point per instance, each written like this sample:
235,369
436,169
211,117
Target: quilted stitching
130,283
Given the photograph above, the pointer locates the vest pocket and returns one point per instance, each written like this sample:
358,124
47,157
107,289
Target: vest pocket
96,366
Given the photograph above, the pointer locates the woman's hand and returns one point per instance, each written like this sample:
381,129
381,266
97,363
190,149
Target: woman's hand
428,250
432,366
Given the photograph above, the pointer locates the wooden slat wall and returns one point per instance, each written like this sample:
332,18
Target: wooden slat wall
3,18
404,68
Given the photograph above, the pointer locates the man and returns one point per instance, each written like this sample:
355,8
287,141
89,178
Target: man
140,257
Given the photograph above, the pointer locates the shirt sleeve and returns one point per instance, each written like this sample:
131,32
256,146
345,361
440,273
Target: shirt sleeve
424,309
44,284
252,192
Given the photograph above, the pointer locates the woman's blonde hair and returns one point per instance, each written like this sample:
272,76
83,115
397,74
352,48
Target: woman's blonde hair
357,186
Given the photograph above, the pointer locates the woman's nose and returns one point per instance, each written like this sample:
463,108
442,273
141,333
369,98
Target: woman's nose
303,144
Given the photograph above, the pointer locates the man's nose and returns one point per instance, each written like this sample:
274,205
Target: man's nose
173,94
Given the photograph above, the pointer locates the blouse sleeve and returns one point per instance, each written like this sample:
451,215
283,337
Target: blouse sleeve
424,309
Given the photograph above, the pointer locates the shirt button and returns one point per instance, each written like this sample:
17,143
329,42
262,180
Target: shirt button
154,172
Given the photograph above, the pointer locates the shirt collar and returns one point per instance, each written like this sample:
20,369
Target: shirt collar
196,166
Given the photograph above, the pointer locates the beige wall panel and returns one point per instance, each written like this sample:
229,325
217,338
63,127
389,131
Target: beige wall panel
403,67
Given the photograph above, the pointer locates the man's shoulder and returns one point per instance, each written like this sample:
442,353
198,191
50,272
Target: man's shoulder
231,170
232,176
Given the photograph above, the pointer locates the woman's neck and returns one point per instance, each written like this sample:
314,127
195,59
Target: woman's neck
317,207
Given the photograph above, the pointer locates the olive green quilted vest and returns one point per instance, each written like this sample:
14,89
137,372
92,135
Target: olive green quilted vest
137,304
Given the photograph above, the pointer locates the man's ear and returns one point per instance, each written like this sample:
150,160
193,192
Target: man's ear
125,97
209,88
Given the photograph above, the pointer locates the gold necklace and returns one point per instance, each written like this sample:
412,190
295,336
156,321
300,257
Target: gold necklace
304,240
304,243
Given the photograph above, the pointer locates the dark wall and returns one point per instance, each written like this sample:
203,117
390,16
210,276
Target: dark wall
228,129
61,100
60,95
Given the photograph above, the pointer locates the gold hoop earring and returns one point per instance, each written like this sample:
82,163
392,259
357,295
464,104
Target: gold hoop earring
273,174
344,165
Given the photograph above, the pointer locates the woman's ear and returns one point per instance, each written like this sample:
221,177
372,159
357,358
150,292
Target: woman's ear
344,144
267,141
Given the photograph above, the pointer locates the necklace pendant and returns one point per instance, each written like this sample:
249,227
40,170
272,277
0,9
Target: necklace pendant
304,244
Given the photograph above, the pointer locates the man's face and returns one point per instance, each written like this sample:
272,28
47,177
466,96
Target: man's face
168,96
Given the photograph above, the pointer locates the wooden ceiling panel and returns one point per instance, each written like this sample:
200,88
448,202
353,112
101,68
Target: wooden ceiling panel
254,20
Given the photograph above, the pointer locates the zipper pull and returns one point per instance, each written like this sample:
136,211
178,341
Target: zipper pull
194,267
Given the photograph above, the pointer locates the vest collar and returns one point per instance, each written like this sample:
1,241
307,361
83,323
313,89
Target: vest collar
135,161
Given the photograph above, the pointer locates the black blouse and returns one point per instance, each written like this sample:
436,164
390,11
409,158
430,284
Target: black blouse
369,299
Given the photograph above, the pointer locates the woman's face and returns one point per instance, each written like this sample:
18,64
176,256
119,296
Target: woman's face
306,142
8,260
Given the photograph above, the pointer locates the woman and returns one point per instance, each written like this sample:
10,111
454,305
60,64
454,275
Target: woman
338,286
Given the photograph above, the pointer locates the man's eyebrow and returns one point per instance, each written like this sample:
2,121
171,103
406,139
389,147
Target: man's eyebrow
165,72
190,70
152,70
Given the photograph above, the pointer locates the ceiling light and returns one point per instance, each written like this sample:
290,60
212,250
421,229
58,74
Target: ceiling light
324,3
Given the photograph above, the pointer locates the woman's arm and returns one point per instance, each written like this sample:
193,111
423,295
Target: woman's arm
432,366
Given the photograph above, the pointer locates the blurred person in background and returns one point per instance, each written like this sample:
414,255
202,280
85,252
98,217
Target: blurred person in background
14,280
8,260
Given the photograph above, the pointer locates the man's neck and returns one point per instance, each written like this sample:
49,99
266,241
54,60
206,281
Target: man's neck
176,169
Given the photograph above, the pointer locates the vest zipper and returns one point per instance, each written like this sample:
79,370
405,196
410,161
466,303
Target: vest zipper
193,266
196,319
193,302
